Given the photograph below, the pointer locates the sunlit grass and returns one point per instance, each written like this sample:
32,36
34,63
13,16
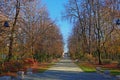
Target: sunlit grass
91,68
86,68
42,69
113,71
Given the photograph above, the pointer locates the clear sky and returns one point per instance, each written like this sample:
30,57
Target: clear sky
55,8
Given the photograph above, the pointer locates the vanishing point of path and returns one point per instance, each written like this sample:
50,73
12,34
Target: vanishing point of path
65,69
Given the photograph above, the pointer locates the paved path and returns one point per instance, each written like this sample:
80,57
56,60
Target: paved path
66,70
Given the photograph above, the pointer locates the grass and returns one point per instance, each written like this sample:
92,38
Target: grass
113,71
43,67
87,67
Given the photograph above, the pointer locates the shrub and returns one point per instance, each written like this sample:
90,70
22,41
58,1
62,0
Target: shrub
1,70
106,61
13,66
28,62
90,58
118,65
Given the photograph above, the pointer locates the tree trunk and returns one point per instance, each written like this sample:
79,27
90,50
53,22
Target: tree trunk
99,57
10,52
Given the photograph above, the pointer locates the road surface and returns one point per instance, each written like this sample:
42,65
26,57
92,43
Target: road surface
65,69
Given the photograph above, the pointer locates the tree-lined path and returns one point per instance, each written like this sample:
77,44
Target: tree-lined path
36,31
65,69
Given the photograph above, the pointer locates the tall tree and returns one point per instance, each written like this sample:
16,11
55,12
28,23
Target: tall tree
93,25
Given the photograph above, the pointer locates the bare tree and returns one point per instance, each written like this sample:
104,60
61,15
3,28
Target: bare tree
93,26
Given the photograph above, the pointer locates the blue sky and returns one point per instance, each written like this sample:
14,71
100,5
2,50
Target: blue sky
55,8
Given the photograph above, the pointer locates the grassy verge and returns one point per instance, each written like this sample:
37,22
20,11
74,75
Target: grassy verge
113,71
43,67
86,67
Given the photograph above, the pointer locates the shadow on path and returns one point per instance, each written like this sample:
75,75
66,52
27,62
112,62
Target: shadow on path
66,70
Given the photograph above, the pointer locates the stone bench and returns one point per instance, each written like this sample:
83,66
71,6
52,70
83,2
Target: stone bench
98,69
20,75
29,71
107,73
118,77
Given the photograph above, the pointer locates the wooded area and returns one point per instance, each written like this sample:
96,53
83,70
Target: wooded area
27,32
96,32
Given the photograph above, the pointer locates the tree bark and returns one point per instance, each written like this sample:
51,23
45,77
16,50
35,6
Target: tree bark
10,52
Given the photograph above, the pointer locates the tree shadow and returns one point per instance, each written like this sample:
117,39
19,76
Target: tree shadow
69,75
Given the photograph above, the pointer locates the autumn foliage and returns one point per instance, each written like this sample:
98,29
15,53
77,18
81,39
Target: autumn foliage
31,36
95,32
